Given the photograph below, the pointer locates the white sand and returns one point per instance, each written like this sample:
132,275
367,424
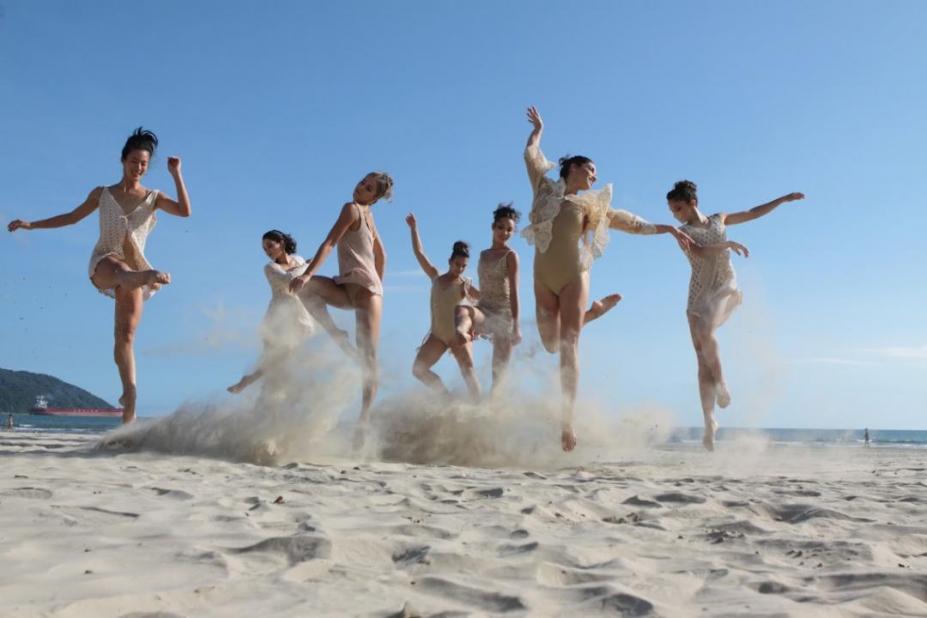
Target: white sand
750,530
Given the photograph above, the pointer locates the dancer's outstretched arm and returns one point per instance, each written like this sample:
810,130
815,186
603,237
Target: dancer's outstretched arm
758,211
426,265
180,207
346,219
632,224
69,218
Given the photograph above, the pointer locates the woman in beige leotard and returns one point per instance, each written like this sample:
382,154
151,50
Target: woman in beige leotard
496,315
287,322
359,284
713,293
118,267
447,292
570,230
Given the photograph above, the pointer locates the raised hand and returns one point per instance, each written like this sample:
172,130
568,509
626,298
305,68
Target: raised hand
16,224
410,219
534,117
173,165
297,283
738,248
791,197
685,241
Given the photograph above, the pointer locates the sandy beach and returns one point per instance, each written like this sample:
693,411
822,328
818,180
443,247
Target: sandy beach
753,529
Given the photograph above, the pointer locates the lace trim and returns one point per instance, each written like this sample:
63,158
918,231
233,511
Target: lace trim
548,195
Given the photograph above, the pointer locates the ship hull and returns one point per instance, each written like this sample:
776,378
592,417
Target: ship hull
104,412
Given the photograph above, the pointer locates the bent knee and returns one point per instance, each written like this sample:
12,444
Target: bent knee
125,333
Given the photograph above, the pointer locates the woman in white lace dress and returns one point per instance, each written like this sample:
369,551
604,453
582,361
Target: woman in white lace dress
713,293
496,315
287,321
569,230
118,267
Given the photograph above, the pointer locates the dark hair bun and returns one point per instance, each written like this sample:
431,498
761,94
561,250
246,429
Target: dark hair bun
461,249
141,139
505,211
684,191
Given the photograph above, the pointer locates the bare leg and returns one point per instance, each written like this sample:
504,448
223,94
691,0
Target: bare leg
601,307
429,354
706,384
464,356
128,315
317,295
246,381
501,354
547,310
114,273
368,316
573,298
467,320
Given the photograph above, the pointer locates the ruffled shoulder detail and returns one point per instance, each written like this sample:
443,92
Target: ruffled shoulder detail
548,194
596,205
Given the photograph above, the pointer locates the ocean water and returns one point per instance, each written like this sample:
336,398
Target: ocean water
821,437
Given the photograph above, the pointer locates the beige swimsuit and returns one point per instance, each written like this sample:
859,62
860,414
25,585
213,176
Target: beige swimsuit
444,301
569,231
355,260
495,300
123,235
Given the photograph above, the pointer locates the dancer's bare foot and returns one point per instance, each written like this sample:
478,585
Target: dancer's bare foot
722,396
127,401
601,307
708,439
567,439
236,388
154,279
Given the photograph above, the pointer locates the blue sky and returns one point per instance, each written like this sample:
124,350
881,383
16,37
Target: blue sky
278,108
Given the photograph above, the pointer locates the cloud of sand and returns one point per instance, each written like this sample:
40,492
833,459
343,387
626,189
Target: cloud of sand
292,415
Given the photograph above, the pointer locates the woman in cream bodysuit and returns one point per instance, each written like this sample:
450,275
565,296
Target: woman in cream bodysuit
569,230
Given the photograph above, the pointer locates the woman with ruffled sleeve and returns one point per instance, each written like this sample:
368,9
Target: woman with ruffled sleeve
569,230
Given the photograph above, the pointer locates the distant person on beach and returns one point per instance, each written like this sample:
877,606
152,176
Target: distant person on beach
496,315
118,267
359,285
569,229
9,422
866,436
286,322
448,291
713,293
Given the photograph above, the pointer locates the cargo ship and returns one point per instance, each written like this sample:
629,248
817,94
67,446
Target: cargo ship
41,407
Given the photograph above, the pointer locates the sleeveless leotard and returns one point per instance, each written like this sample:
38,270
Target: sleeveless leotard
123,235
495,299
356,265
444,301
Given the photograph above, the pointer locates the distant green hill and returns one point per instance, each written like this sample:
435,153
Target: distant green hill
18,390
